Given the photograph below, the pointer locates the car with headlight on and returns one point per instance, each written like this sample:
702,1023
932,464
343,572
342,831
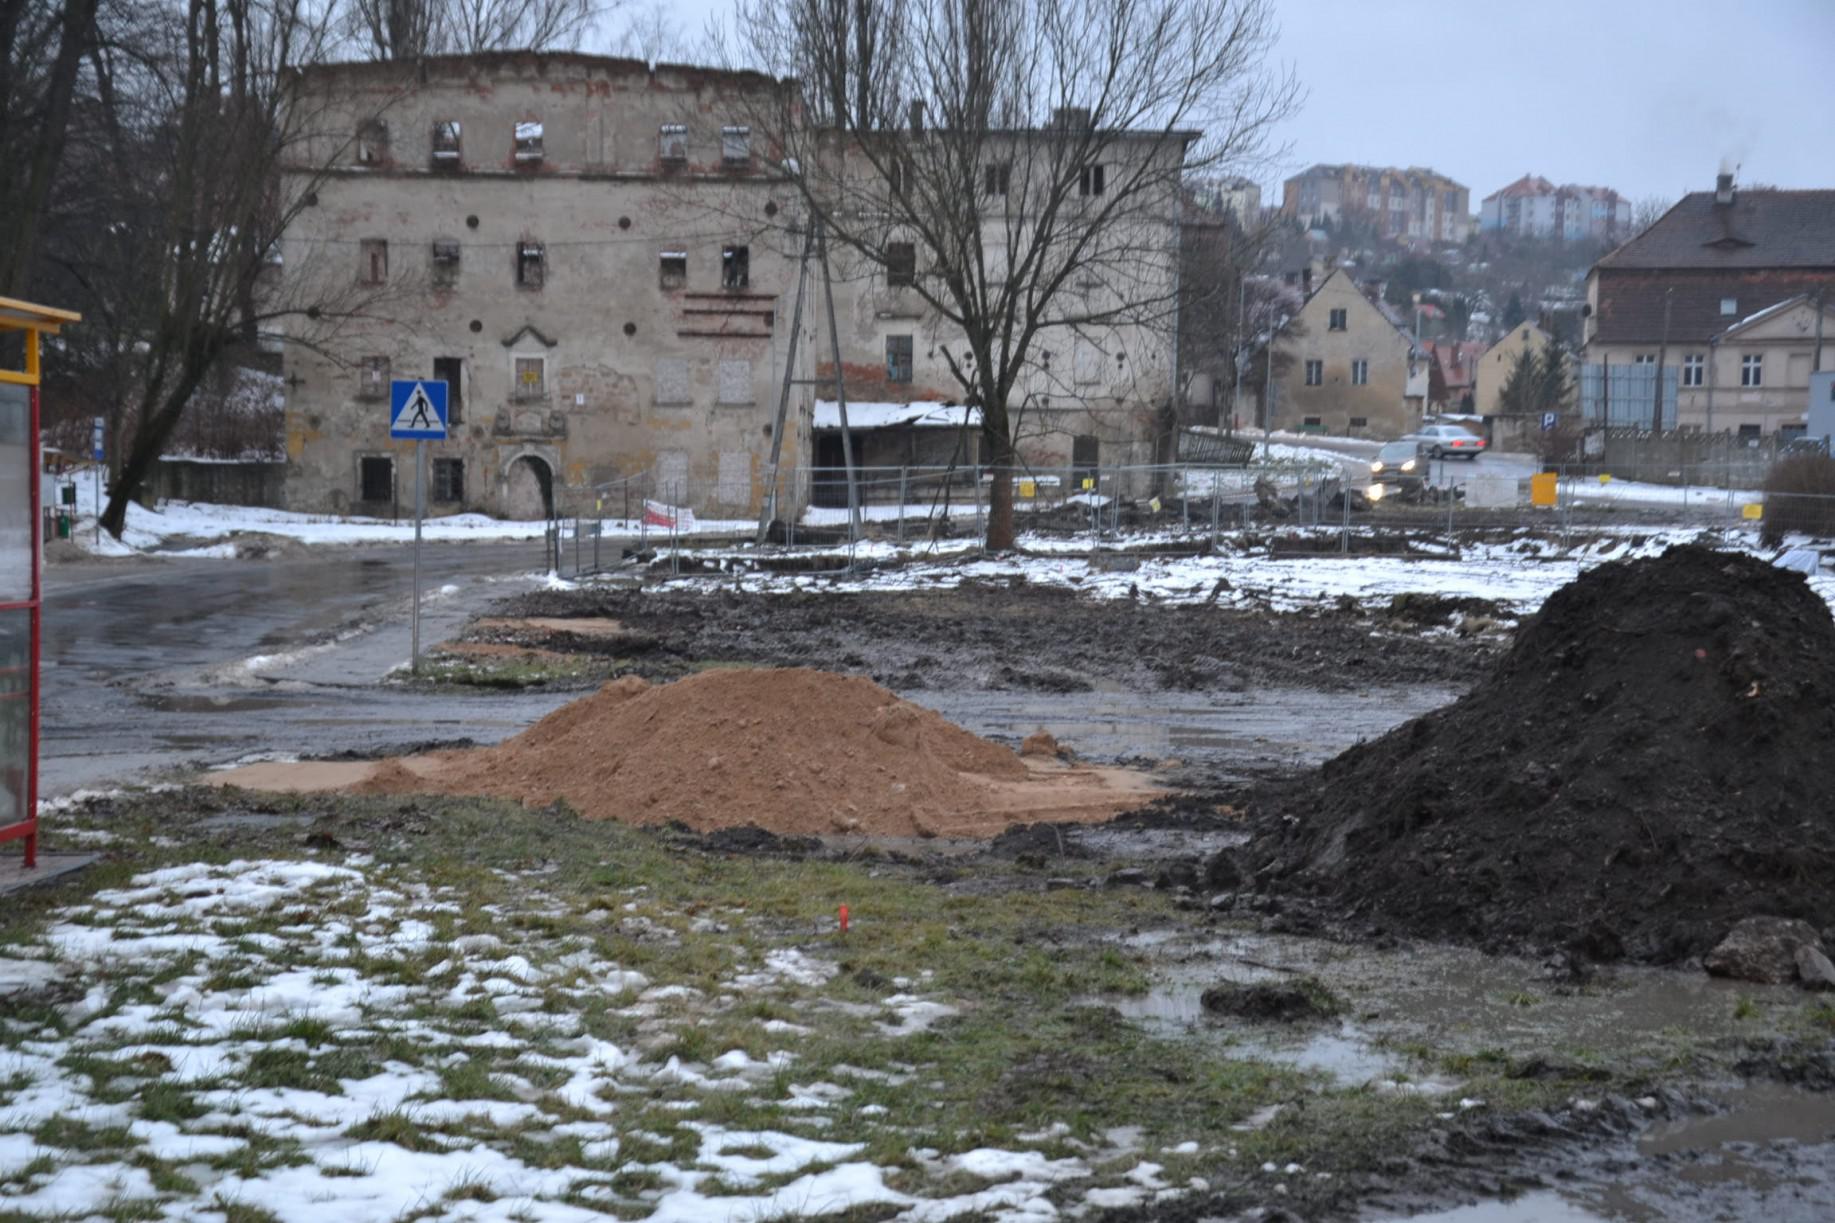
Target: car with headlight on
1400,468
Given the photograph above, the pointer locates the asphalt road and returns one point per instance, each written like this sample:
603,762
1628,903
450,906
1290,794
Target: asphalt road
147,663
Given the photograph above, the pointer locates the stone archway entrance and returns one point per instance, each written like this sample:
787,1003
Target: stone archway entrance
528,488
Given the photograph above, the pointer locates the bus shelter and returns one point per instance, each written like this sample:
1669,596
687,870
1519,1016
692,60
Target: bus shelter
22,327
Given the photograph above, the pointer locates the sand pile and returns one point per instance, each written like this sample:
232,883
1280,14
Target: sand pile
793,751
1648,764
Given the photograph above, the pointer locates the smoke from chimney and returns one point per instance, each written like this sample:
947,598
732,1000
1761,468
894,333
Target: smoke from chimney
1723,188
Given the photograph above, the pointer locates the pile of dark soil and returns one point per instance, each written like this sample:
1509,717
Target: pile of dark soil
1647,765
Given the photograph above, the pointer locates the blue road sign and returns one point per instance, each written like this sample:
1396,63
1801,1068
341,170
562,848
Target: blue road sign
1548,421
95,439
417,409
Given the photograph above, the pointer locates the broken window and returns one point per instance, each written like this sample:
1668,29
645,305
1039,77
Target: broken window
735,144
531,265
451,371
898,358
1091,180
376,478
673,270
529,141
672,141
1338,320
445,268
372,142
373,378
449,480
736,266
901,263
531,377
373,261
446,148
995,178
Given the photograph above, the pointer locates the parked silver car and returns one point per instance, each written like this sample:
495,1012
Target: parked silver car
1440,441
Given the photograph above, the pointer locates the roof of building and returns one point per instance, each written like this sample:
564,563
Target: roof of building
1759,229
922,414
1529,184
1331,169
1772,311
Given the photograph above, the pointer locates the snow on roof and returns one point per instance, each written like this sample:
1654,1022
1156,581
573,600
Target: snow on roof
528,131
924,414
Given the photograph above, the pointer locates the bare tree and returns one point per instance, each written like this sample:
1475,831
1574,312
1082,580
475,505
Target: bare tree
1647,212
405,29
652,35
1019,162
192,125
42,48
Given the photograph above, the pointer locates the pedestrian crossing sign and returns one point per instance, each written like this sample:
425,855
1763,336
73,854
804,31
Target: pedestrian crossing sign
417,409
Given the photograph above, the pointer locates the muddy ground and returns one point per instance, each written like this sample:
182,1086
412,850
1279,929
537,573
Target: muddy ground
1065,969
988,637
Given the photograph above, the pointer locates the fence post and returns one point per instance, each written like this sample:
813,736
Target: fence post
1344,532
1216,504
1185,496
904,483
975,478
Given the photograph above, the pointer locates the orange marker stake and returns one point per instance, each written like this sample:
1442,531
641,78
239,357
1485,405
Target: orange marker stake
844,919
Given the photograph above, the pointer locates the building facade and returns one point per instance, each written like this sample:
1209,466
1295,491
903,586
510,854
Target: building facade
1533,207
1347,367
1682,295
1413,204
600,260
1493,369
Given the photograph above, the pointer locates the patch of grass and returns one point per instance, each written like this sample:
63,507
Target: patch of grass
510,671
164,1101
394,1126
241,1212
472,1080
287,1068
1745,1007
165,1175
67,1134
472,1189
41,1165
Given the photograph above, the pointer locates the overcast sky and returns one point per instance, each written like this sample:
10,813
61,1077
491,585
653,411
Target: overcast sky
1645,96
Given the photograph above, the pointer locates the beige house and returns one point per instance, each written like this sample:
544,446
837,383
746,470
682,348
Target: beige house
1498,360
1754,377
1347,367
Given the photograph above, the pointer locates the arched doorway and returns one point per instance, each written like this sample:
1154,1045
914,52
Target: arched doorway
528,488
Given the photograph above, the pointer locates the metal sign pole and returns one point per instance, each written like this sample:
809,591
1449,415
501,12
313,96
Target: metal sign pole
420,506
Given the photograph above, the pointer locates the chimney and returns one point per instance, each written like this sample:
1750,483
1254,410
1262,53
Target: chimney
1723,189
1071,118
917,116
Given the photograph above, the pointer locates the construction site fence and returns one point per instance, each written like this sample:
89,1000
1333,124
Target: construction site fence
1457,504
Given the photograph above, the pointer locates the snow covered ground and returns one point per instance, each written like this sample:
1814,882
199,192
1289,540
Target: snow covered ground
303,1040
1519,572
179,523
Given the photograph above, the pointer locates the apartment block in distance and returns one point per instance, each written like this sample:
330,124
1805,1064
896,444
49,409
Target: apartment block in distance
1533,207
1414,204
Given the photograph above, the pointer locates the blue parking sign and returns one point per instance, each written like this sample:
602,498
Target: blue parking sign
417,409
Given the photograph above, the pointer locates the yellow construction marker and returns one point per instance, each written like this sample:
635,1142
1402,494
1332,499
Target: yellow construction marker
1543,487
1754,511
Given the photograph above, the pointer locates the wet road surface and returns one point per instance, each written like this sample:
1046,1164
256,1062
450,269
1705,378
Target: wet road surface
147,663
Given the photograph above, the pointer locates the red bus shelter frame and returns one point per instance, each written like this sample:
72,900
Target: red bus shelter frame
31,322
